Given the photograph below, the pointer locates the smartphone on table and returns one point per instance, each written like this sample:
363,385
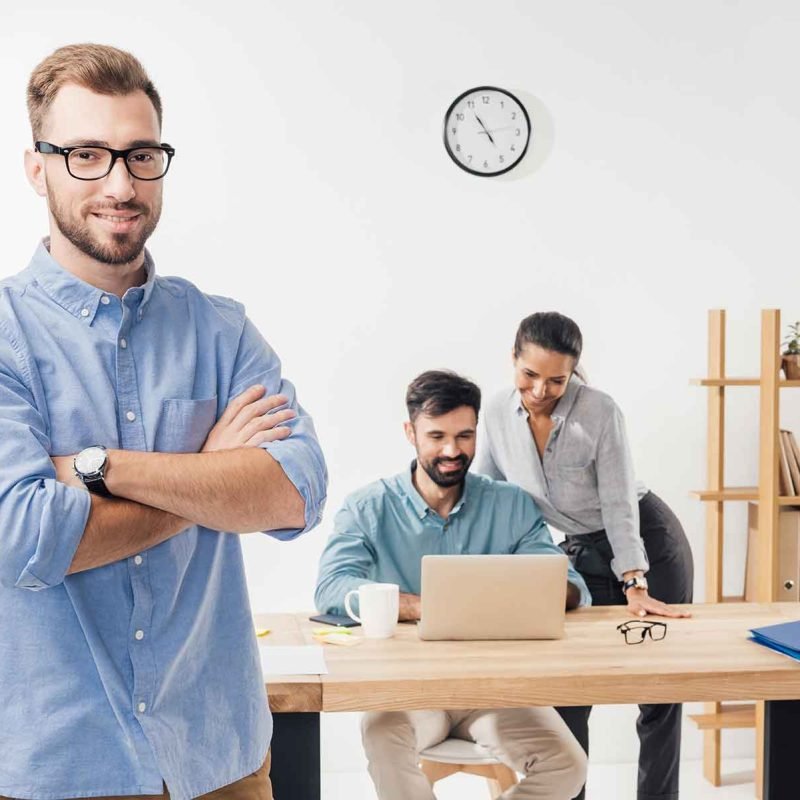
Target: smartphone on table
339,620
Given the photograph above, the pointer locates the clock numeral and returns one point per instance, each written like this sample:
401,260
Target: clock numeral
502,104
486,165
470,104
454,130
460,117
469,159
502,160
513,115
513,148
517,131
485,99
458,148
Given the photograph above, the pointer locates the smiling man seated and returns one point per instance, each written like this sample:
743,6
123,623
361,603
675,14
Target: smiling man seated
437,507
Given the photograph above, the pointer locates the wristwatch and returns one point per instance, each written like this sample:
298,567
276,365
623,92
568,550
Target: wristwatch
636,582
90,466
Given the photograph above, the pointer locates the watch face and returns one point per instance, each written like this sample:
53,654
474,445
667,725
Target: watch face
486,131
90,460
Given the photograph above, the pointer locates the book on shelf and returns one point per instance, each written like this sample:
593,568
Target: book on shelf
790,465
785,483
794,458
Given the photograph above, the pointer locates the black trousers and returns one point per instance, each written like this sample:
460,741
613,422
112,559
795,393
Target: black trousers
670,578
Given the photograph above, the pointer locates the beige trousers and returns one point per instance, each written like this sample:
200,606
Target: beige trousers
532,741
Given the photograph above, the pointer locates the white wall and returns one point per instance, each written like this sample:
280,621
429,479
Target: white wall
312,183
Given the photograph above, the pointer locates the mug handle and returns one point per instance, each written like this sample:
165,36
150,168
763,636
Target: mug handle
349,610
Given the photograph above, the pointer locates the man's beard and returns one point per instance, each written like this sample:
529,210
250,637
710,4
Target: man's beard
446,479
124,247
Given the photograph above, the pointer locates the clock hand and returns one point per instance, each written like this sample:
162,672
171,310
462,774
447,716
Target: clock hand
484,128
494,130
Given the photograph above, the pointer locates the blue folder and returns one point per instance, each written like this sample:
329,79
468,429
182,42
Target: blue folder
783,637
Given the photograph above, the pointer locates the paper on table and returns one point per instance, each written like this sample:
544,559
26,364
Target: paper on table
293,660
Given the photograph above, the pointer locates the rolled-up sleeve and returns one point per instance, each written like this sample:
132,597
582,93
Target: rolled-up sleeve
41,520
348,561
616,486
299,455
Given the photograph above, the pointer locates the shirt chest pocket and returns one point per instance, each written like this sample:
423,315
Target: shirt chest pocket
184,425
574,487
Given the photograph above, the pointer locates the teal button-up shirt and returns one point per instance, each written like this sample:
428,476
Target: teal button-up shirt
384,529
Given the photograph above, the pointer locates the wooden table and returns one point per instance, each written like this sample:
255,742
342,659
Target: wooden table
705,658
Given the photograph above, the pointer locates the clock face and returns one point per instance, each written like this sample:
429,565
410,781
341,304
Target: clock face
486,131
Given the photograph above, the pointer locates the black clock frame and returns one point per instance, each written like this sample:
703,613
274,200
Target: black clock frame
453,155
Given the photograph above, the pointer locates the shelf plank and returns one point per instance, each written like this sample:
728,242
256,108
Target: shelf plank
735,715
716,382
724,381
728,493
740,493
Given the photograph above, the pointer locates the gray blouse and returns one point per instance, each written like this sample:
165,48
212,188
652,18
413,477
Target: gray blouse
585,481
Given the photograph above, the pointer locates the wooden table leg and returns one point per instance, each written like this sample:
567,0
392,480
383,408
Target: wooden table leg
781,725
295,769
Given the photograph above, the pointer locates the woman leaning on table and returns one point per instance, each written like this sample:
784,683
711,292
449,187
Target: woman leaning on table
564,442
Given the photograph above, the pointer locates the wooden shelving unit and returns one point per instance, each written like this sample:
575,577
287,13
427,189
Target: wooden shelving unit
718,717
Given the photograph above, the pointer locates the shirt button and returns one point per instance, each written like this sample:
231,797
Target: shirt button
142,707
138,560
130,416
123,343
104,300
139,635
84,312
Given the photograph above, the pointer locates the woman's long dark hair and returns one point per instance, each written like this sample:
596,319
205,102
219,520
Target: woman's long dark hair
551,331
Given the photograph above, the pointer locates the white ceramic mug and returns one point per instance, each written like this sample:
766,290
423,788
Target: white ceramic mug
379,604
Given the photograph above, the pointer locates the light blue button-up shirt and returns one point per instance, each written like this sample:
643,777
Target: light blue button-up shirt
384,529
145,670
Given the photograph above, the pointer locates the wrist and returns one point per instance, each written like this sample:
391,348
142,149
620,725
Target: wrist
634,585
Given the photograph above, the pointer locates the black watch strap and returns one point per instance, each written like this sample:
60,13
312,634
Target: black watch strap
96,485
639,583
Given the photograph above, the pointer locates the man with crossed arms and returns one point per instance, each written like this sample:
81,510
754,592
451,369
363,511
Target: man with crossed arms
128,657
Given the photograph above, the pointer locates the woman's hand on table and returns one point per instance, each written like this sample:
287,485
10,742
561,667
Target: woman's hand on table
640,604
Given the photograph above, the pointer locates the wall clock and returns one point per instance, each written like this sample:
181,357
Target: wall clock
486,131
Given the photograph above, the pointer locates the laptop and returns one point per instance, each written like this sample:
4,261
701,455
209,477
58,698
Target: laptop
493,597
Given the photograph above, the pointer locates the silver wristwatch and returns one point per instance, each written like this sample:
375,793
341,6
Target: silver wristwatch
636,582
90,466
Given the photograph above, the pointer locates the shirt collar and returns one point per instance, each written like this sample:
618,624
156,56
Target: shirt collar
417,501
564,405
81,299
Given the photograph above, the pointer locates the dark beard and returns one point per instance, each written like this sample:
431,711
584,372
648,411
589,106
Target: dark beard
446,480
125,248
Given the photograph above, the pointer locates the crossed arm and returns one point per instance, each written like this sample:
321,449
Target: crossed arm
231,485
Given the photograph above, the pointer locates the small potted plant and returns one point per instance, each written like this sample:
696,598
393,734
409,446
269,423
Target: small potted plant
791,353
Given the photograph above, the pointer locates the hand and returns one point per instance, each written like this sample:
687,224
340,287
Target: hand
65,471
640,604
489,131
484,130
246,422
410,607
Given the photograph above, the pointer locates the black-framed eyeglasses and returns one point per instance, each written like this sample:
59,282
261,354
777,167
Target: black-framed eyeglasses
635,631
90,162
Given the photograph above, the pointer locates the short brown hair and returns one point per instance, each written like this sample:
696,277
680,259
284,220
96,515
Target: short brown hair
103,69
440,391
